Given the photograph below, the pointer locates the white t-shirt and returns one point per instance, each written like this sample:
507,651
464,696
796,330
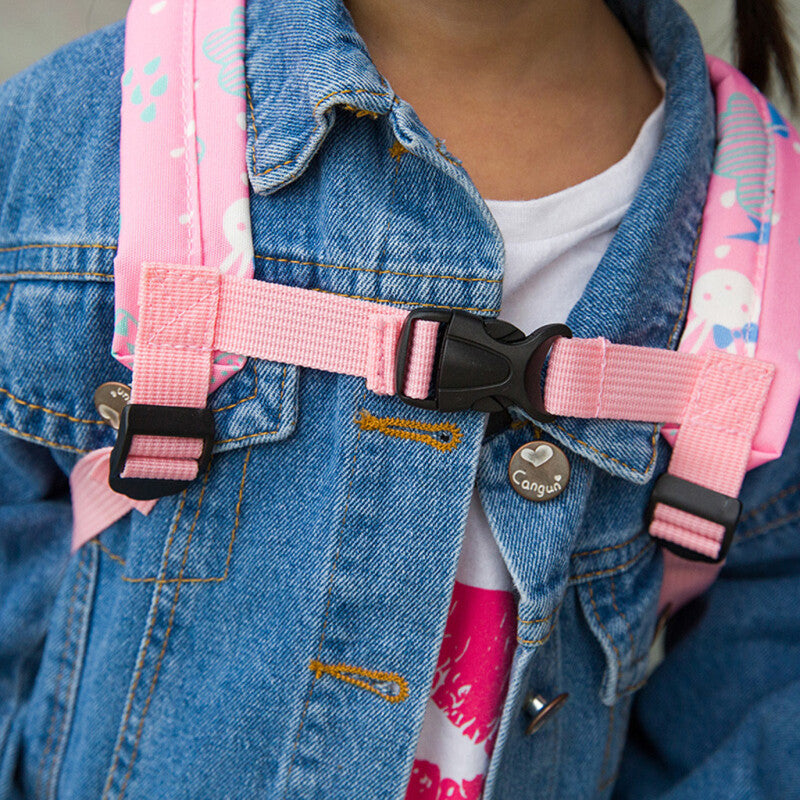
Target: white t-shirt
553,245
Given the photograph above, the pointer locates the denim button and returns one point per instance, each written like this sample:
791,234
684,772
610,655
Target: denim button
540,710
539,471
109,400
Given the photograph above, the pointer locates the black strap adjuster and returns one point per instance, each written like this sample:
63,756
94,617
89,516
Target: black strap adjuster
139,419
701,502
482,363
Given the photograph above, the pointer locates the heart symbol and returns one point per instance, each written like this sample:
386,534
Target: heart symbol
540,455
556,478
157,8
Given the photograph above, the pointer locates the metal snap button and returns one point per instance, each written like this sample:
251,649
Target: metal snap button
539,471
109,400
540,710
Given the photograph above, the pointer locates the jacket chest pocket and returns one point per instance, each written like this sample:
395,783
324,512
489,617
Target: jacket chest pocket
48,375
191,537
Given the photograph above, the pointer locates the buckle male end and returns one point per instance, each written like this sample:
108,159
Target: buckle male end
138,419
483,364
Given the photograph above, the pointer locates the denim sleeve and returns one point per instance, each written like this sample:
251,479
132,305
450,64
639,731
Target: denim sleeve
719,718
34,549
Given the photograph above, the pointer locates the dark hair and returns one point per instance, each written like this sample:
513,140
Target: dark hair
762,45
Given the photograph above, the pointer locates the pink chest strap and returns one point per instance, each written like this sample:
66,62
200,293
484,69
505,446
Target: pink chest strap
189,313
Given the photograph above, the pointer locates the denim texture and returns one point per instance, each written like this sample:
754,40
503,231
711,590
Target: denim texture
273,631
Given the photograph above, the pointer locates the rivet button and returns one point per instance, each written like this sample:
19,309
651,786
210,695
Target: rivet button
539,471
540,710
109,400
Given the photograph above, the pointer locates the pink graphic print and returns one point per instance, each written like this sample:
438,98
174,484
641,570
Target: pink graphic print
427,784
469,687
472,674
184,195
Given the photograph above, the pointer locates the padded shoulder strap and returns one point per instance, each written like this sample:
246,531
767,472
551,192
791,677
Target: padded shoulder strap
184,192
746,288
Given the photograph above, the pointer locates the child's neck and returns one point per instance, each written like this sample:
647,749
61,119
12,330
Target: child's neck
532,95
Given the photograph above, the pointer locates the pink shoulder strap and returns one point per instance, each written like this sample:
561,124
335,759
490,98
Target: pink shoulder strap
746,288
184,195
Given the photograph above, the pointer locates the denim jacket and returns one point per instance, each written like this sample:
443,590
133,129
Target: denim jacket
273,631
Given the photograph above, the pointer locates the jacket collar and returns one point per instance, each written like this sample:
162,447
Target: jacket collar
647,268
305,58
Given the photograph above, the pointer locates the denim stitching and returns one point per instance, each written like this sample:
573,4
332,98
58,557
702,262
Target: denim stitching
605,630
332,575
245,399
57,692
263,433
377,271
167,634
408,302
550,629
613,458
776,523
42,440
74,246
113,556
610,547
361,112
231,542
46,410
397,150
32,273
314,130
686,285
140,665
602,784
541,619
555,762
8,295
774,499
543,639
412,430
622,616
345,672
611,570
52,780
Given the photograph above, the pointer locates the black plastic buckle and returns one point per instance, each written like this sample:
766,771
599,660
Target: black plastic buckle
483,364
145,420
701,502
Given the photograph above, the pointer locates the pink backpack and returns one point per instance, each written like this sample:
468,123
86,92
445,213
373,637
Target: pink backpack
189,312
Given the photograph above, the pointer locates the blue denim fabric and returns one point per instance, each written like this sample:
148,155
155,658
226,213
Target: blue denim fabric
256,635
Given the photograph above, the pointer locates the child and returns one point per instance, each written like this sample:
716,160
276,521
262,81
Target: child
356,598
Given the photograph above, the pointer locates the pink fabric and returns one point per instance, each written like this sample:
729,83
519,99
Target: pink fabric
746,287
593,378
714,442
94,506
184,189
684,580
173,362
716,398
323,331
